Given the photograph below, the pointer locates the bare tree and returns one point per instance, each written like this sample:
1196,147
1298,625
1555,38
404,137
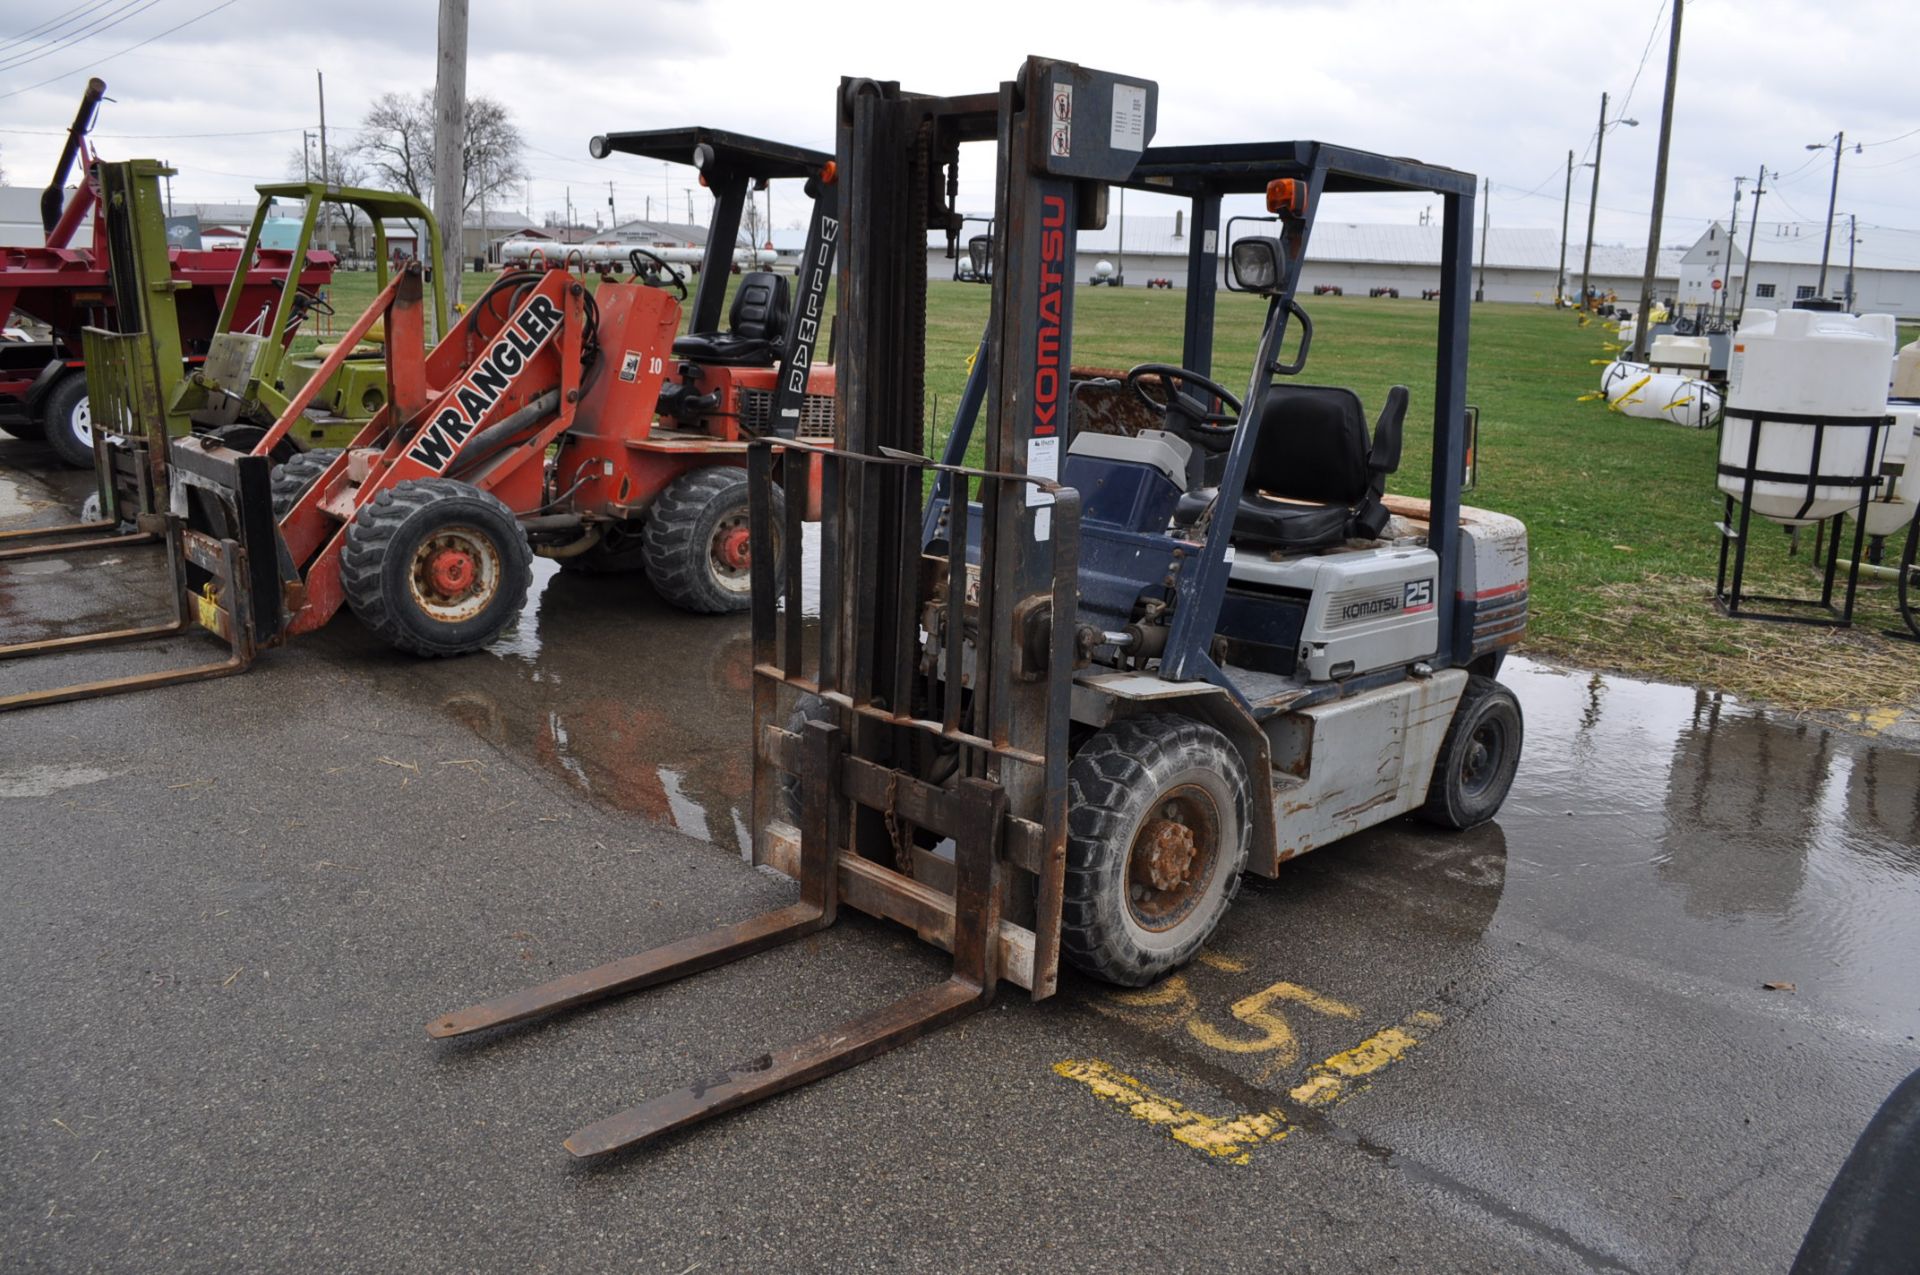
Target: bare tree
342,168
396,145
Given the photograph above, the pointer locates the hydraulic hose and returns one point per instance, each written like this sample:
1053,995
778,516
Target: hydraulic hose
495,437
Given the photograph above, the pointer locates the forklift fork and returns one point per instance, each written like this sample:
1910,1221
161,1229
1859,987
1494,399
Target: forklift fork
969,988
212,576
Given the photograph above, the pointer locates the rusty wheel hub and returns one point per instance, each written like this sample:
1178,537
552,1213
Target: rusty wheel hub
1166,853
1173,857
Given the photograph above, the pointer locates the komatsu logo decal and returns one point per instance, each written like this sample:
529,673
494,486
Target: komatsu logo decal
475,396
1379,602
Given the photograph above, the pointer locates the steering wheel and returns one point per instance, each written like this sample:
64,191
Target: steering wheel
674,277
1216,423
304,301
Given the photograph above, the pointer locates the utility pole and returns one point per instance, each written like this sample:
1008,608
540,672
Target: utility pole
1566,205
689,191
326,169
306,154
1486,220
1121,273
1853,228
1753,225
1839,145
449,132
1593,203
613,216
1733,225
1641,337
569,212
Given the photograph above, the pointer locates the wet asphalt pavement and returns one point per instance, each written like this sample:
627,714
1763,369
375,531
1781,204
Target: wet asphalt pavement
1541,1046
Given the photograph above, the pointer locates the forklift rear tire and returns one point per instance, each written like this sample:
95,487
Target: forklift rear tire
436,566
1477,759
696,540
290,481
1157,832
621,549
69,421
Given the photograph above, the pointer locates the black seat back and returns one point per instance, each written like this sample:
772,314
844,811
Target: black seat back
1312,445
759,310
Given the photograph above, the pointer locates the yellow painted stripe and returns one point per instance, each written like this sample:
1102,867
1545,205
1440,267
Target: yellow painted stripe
1876,720
1341,1075
1229,1138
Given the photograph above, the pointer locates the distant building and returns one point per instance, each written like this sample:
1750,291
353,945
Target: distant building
1786,267
20,217
1357,257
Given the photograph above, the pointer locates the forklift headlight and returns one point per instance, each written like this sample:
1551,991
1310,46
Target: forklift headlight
597,146
1256,265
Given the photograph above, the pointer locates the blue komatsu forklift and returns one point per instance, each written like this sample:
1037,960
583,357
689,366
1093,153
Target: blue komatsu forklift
1168,631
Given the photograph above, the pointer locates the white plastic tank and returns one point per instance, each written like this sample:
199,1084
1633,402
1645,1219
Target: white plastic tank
1893,508
1618,373
1754,317
1666,396
1103,270
1680,353
1627,329
1906,371
1814,378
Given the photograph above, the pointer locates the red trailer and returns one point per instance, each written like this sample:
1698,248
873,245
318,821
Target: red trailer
43,384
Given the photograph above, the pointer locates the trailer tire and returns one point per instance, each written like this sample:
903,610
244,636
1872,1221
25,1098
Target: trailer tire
1477,760
695,541
1157,835
69,421
289,481
436,566
621,549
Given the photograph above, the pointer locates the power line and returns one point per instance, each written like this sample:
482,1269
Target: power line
1644,55
98,26
205,13
1882,142
45,29
147,137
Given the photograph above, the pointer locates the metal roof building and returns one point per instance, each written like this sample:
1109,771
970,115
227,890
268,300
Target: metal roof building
1356,256
1885,266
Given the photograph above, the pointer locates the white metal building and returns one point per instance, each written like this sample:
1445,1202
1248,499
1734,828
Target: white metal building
1356,257
1886,266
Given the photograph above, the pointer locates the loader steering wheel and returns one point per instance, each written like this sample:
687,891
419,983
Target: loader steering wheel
635,259
1216,423
304,301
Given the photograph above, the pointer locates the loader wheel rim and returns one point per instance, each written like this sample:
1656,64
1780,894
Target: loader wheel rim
1173,857
456,574
730,553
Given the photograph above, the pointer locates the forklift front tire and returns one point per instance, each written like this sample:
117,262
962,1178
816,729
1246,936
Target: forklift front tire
696,540
289,481
1478,757
69,421
1157,833
436,566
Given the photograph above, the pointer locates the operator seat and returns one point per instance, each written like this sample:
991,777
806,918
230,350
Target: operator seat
1314,479
756,322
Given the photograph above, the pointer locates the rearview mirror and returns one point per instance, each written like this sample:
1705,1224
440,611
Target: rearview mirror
1258,265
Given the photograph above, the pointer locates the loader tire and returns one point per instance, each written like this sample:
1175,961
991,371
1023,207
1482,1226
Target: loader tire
436,566
290,481
621,550
1158,820
1474,770
69,421
695,543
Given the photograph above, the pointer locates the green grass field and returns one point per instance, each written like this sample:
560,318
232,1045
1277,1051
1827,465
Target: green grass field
1620,511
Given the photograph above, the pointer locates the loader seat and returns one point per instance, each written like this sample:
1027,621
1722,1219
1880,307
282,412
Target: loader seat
1315,480
756,323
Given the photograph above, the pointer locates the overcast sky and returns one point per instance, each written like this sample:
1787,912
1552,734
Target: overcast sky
1497,88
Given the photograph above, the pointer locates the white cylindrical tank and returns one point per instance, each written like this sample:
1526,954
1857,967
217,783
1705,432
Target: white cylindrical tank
1754,317
1893,508
519,251
1666,396
1689,354
1103,270
1906,371
1627,329
1619,373
1810,383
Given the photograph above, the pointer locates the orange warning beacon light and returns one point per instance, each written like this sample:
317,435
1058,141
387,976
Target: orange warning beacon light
1287,196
